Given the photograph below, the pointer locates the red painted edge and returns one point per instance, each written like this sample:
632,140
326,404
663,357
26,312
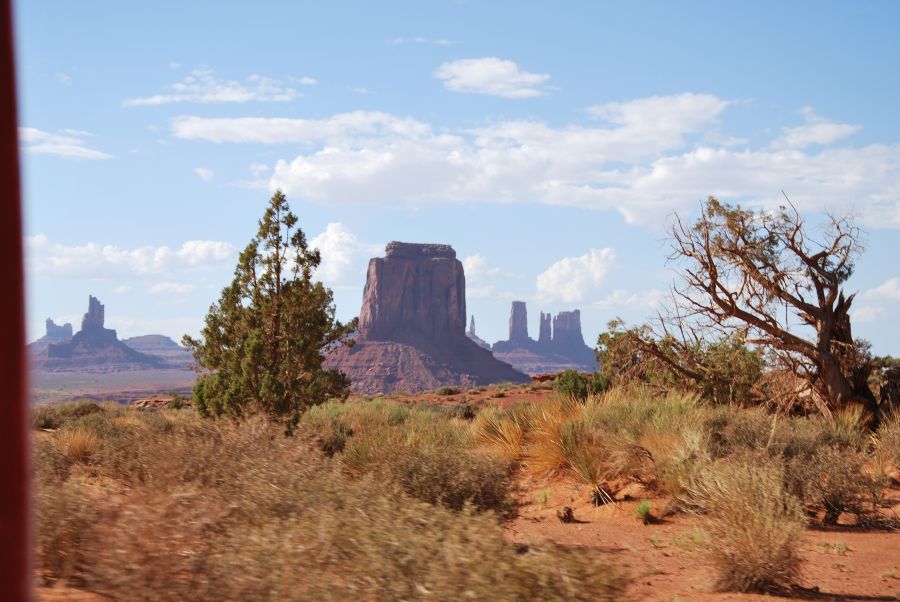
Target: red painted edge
15,520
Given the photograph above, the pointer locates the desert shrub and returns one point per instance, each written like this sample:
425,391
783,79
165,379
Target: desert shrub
722,371
888,439
500,430
234,512
53,417
336,439
448,391
78,445
67,519
453,478
752,523
572,383
822,461
832,480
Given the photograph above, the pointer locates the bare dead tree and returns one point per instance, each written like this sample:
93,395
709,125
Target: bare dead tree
766,274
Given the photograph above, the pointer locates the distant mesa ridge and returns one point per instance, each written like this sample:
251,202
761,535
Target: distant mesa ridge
94,348
560,344
412,327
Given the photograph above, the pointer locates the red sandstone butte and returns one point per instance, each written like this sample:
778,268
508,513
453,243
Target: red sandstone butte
412,327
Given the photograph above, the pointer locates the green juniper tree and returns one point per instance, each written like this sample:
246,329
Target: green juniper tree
262,346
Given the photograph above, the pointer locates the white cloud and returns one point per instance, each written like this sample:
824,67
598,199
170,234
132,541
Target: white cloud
258,168
574,279
68,143
204,173
64,78
344,257
93,260
202,86
481,276
651,157
362,91
869,313
491,76
668,116
888,291
816,131
875,304
622,299
174,65
305,81
171,288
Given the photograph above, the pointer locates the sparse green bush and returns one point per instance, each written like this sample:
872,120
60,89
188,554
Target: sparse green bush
572,383
448,391
55,416
753,525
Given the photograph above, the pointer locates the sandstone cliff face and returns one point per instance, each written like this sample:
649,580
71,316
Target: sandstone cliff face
412,327
414,291
557,349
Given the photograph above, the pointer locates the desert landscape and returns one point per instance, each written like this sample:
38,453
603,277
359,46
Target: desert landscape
453,301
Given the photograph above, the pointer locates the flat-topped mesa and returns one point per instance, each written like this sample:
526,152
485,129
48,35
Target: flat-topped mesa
411,250
58,332
412,327
545,337
416,291
518,322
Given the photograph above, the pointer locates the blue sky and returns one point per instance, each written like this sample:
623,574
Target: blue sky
547,142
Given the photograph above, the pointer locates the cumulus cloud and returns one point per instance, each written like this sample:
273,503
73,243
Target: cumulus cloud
816,130
644,158
204,173
481,276
574,279
305,80
888,291
344,257
93,260
874,304
621,299
491,76
68,143
258,168
203,86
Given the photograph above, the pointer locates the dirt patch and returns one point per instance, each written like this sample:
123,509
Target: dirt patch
667,560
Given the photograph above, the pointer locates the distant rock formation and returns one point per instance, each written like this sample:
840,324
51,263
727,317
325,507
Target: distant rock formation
164,347
560,347
58,333
54,334
475,338
518,323
544,337
412,327
93,349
